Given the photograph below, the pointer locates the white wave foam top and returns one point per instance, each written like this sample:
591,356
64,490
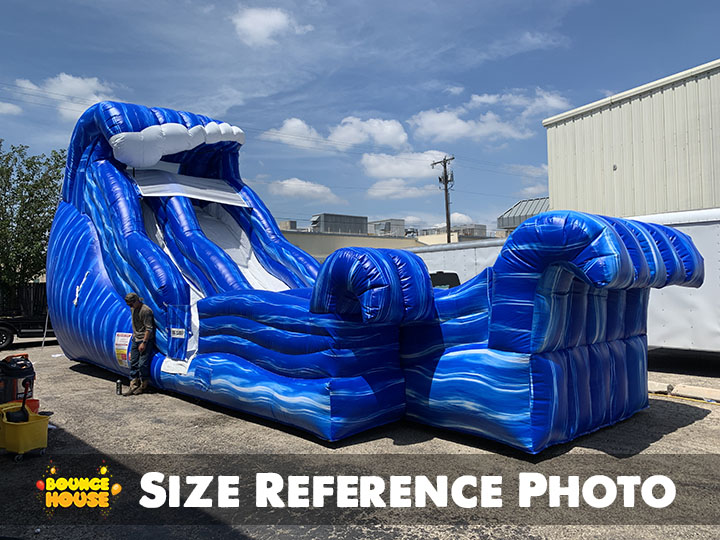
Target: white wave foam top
145,148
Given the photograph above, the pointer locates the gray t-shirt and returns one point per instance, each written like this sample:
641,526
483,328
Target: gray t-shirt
142,321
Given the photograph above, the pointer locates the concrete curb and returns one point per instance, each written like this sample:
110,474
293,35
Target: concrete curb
659,388
696,392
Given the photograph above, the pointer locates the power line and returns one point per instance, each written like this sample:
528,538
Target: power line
251,182
38,89
48,105
322,143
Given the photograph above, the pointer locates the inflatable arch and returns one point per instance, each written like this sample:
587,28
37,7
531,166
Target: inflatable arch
546,345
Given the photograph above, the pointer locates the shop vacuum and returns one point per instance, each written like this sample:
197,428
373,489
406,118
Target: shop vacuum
22,429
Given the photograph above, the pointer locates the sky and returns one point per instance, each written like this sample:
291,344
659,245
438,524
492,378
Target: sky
345,105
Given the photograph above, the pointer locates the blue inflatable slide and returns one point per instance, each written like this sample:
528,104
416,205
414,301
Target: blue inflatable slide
546,345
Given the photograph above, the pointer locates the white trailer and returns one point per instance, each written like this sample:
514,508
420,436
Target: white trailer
466,259
678,318
681,318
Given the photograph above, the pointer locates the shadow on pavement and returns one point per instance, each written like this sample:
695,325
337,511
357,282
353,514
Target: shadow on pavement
22,345
627,438
95,371
624,439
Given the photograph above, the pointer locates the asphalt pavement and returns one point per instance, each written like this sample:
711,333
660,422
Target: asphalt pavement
90,419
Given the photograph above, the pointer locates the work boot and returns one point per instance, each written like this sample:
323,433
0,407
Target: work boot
141,389
134,385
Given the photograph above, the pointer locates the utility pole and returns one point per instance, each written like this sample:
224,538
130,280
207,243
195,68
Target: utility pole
446,183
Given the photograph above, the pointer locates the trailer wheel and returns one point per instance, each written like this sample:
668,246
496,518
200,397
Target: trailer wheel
7,336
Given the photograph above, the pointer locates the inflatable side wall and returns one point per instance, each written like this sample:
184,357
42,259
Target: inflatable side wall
550,343
546,345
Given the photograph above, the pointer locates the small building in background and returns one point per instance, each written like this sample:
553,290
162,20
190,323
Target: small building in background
339,223
474,230
519,212
387,227
287,225
458,233
330,232
321,245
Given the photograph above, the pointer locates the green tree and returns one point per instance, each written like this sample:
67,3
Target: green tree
29,194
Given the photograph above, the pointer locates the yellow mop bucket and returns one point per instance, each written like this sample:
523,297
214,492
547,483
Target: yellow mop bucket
21,437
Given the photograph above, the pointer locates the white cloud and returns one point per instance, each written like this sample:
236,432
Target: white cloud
424,220
72,95
537,189
296,188
506,116
9,108
533,171
440,125
524,42
529,105
458,218
448,126
509,100
397,188
403,165
414,220
217,99
427,220
546,102
454,90
352,131
258,27
349,132
535,181
295,132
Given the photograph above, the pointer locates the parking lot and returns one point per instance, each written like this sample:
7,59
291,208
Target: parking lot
89,418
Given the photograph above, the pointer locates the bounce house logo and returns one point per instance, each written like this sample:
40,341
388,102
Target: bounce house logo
61,490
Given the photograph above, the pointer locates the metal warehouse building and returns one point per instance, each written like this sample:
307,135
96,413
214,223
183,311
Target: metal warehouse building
650,150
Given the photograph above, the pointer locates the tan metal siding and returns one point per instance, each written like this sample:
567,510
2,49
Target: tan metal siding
714,146
651,152
706,154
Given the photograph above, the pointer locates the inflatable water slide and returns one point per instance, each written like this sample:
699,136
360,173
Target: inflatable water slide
546,345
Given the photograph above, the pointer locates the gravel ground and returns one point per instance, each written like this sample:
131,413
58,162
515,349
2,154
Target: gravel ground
91,419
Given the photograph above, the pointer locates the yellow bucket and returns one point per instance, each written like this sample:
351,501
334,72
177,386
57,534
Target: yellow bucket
21,437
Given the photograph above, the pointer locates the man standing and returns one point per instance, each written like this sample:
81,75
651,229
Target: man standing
143,342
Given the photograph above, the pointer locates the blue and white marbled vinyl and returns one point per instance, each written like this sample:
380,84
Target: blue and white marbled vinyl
546,345
550,343
263,352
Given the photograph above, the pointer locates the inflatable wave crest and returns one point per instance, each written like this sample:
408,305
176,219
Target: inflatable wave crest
546,345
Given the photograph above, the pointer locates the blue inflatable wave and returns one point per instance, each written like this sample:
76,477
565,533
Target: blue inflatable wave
546,345
550,343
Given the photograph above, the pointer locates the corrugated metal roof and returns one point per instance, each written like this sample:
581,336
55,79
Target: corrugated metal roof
528,207
521,211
